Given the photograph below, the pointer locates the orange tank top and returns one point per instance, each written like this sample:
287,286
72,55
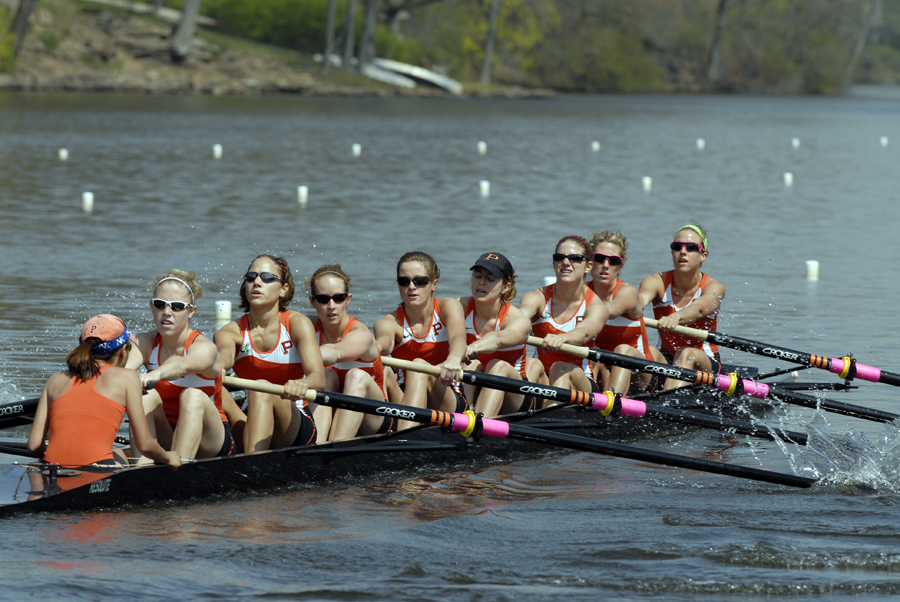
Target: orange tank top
83,425
623,330
670,342
544,324
375,368
170,390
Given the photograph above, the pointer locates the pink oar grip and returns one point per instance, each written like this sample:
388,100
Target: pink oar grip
633,407
862,371
751,389
490,427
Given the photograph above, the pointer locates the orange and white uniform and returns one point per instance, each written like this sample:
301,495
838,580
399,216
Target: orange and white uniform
83,425
623,330
433,347
669,342
278,365
544,324
375,368
514,356
170,390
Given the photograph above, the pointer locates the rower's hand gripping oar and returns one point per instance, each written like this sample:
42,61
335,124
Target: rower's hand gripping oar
846,367
731,384
606,403
469,425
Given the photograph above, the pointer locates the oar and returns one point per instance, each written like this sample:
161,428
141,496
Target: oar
845,367
730,383
604,402
17,413
468,424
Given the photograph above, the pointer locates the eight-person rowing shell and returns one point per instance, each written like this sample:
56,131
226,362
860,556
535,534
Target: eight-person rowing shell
685,296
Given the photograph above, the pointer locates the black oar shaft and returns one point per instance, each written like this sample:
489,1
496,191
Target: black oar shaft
725,424
747,387
17,413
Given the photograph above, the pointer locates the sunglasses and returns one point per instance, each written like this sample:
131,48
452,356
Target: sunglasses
690,247
613,259
175,305
266,277
324,299
574,258
419,281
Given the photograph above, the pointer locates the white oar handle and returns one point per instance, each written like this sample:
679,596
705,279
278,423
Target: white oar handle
263,387
411,366
566,348
685,330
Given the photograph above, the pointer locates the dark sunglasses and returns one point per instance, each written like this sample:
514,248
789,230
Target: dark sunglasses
574,258
266,277
690,247
419,281
175,305
324,299
613,259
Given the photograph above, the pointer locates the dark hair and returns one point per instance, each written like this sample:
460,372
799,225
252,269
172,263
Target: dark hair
588,252
82,363
285,275
334,270
430,264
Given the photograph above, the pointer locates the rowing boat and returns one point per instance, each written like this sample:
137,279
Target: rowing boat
44,488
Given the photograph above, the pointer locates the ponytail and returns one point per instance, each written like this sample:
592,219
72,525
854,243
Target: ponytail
82,363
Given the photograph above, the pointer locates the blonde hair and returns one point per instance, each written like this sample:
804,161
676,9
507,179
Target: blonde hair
188,279
616,238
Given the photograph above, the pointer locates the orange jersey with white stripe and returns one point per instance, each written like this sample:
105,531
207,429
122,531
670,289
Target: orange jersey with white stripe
433,346
375,368
514,356
170,390
670,342
544,324
82,425
622,330
278,365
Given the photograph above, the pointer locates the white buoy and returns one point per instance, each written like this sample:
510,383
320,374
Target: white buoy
884,141
64,153
648,183
357,150
701,143
795,142
548,280
812,270
87,201
788,178
482,147
223,310
217,151
302,195
595,146
485,187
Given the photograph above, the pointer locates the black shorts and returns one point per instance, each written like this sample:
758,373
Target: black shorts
228,443
715,361
307,433
462,404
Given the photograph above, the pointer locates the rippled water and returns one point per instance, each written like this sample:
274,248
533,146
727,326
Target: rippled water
560,525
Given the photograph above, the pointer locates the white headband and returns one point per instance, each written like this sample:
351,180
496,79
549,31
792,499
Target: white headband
190,290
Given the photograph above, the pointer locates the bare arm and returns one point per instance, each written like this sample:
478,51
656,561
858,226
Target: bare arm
202,356
652,290
303,334
227,339
387,331
627,302
595,316
354,346
454,320
37,439
708,303
532,304
514,332
137,419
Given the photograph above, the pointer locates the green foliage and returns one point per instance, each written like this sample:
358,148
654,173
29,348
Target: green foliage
298,24
7,41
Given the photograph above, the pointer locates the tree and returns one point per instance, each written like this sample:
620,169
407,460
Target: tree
367,43
712,65
19,25
349,32
489,43
184,31
875,9
329,35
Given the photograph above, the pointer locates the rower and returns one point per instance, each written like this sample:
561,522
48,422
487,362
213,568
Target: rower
425,328
352,361
496,332
183,382
624,331
685,296
275,344
81,409
567,312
